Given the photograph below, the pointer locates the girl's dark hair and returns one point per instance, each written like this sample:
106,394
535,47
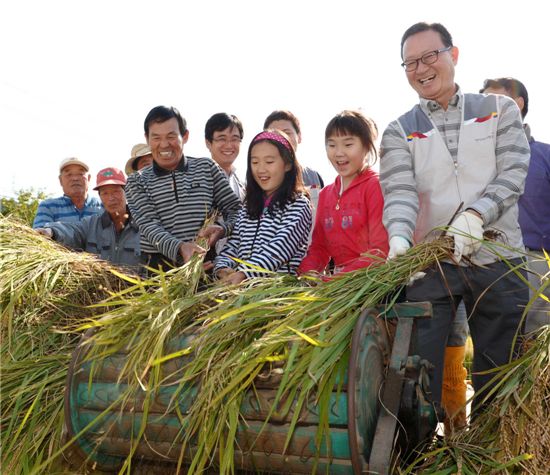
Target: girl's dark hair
354,123
291,187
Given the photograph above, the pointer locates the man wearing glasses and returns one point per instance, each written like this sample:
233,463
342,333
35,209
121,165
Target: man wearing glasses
223,134
462,159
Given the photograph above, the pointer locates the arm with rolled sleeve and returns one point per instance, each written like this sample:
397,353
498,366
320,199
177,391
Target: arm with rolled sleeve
398,184
285,244
512,162
73,235
148,220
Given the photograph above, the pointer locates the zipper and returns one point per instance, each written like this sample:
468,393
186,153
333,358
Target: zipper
175,186
340,193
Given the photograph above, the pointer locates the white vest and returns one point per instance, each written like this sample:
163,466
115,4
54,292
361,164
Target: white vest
443,184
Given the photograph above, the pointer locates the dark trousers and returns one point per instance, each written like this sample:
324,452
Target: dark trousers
158,261
495,298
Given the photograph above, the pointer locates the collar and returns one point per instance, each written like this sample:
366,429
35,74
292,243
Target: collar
182,167
527,131
106,220
231,172
365,175
87,200
431,106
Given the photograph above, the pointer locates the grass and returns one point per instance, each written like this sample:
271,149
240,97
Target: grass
302,327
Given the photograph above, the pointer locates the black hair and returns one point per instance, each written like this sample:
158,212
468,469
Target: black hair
283,115
161,114
423,26
512,86
219,122
349,122
289,190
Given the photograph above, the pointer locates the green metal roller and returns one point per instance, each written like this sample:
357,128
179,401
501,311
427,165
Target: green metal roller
362,416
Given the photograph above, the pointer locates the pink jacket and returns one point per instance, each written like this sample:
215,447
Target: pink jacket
347,226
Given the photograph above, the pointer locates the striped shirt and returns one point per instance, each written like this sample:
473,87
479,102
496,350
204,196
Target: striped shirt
276,242
170,206
400,173
63,209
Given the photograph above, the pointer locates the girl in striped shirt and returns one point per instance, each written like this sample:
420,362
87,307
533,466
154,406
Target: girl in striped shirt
272,228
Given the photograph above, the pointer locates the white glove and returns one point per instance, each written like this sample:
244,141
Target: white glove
398,246
45,232
416,276
467,231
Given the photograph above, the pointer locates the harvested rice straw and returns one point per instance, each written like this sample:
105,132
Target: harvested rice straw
239,329
513,434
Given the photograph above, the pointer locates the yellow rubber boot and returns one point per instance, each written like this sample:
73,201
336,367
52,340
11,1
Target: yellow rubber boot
453,397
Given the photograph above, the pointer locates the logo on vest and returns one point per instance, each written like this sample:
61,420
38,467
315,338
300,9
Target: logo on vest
416,135
480,120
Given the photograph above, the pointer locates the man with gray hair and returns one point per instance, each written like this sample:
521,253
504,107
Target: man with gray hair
75,204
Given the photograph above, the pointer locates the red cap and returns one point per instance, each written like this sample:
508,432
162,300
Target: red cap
110,176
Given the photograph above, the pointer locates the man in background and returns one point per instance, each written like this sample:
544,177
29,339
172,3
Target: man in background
75,204
140,157
113,235
223,134
534,204
287,122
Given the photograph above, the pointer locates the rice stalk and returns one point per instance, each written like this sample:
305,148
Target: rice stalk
43,288
278,323
512,435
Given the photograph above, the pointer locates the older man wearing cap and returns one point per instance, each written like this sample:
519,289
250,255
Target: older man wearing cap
140,157
113,235
75,204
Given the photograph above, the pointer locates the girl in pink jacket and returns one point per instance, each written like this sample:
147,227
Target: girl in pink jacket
348,226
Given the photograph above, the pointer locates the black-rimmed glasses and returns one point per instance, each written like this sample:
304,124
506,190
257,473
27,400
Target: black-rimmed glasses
428,58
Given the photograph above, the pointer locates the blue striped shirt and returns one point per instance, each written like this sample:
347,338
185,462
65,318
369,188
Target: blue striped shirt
276,242
62,209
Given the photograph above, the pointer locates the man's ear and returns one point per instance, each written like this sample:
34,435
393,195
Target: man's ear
520,102
454,54
185,137
208,145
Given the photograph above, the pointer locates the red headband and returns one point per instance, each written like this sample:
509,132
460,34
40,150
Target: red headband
272,136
